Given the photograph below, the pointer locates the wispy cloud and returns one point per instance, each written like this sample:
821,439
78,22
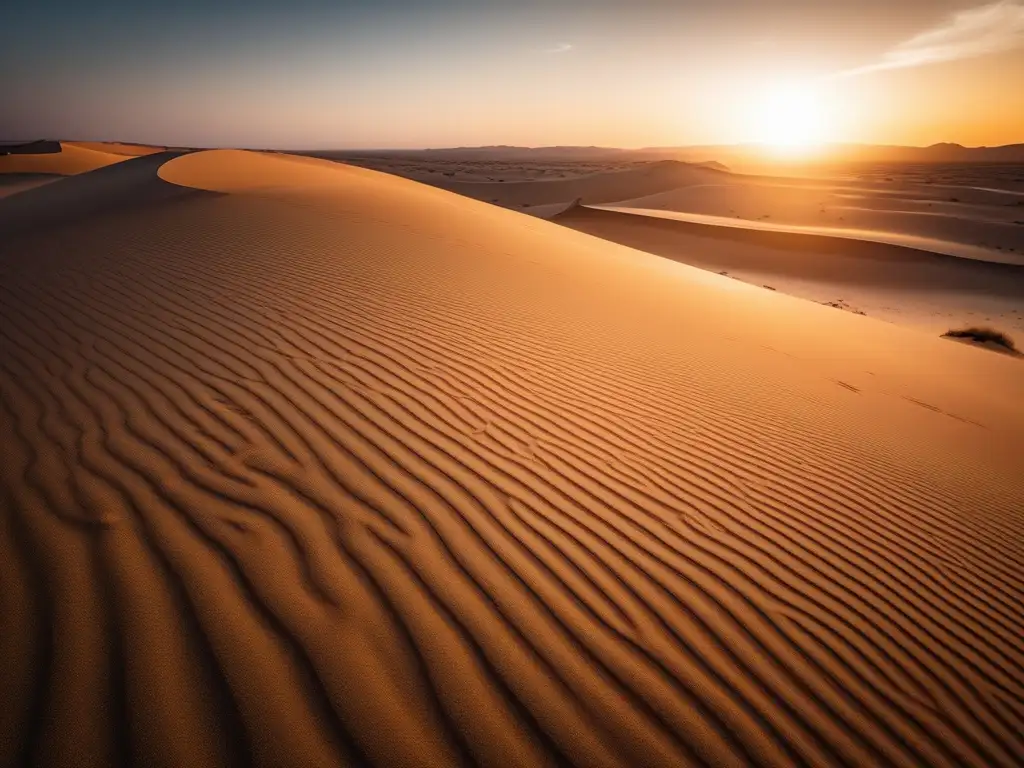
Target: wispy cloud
560,48
975,32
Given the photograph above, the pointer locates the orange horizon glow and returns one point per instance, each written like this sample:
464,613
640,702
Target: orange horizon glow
788,76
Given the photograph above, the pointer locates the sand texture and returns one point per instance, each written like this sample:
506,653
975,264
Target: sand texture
309,465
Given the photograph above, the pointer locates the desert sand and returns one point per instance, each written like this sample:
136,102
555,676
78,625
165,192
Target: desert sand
829,240
116,148
20,172
72,159
909,284
12,183
306,464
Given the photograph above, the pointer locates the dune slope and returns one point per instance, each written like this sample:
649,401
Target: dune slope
69,161
118,148
908,285
603,187
964,221
328,467
15,183
121,187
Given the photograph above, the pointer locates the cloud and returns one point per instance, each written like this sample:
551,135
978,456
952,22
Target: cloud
976,32
560,48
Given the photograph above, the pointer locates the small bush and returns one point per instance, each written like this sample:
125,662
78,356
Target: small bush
983,336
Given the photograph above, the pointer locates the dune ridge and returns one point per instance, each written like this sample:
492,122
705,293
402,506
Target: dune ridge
966,219
906,280
350,470
121,187
960,221
71,160
900,239
118,148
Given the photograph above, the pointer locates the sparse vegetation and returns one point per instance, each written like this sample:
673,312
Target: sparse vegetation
983,335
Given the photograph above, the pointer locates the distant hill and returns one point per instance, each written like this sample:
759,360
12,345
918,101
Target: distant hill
946,153
742,154
723,156
937,153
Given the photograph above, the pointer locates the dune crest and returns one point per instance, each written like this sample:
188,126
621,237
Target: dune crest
71,160
118,148
317,466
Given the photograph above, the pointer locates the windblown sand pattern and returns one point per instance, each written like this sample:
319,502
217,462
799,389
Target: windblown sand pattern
320,466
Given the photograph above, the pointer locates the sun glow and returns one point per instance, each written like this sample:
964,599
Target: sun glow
788,117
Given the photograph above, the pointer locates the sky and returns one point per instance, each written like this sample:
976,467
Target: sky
430,73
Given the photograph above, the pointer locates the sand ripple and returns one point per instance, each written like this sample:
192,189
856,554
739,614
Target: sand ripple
376,476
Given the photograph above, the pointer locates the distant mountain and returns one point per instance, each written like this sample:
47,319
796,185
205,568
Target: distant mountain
1009,153
937,153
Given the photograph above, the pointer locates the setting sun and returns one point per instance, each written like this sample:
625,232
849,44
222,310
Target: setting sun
788,116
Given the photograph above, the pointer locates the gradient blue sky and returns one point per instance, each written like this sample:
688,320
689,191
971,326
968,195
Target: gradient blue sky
399,73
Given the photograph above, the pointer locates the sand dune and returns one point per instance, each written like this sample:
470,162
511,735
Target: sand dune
13,183
121,187
605,187
908,284
69,161
894,236
117,148
967,221
971,222
312,465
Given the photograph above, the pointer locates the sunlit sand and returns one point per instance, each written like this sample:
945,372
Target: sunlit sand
309,464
